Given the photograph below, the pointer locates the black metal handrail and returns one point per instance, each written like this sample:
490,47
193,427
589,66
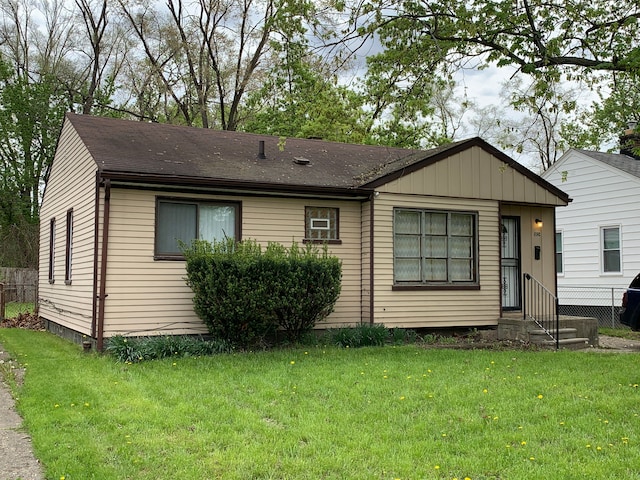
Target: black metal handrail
541,305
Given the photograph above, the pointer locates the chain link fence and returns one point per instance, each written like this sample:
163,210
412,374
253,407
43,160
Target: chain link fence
16,299
603,303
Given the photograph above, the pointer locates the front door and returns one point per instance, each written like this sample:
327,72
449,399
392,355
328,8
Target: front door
510,241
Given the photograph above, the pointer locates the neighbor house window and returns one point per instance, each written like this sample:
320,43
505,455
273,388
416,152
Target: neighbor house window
182,221
321,224
559,257
434,247
610,249
52,249
68,248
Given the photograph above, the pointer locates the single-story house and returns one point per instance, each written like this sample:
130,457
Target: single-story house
598,235
433,238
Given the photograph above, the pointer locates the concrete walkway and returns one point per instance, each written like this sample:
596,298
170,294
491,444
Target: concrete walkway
16,453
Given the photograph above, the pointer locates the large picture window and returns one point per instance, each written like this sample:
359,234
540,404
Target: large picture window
183,221
611,250
434,247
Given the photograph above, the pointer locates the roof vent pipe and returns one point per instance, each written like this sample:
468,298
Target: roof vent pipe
261,154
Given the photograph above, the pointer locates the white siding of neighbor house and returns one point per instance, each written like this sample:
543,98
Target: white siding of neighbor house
150,297
602,196
71,184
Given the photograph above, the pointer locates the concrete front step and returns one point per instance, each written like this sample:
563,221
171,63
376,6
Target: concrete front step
519,329
566,343
567,339
539,334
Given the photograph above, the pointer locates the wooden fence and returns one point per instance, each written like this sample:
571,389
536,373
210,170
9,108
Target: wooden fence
19,285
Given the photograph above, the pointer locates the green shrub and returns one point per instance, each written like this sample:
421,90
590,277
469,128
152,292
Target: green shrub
244,294
137,349
307,287
363,335
228,295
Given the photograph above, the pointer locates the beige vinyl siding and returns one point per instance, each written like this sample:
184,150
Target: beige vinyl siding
71,185
430,307
473,173
147,296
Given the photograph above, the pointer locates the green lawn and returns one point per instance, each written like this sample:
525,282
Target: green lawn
371,413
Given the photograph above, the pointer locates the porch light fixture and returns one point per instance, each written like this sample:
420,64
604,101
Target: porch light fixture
538,223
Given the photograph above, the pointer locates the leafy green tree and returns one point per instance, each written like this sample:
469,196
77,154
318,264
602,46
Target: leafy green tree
618,109
531,35
300,97
551,42
30,118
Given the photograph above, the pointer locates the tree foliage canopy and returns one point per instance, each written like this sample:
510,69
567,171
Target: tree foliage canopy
530,34
286,67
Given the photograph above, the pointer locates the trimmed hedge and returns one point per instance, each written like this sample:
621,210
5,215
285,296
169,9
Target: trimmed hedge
243,293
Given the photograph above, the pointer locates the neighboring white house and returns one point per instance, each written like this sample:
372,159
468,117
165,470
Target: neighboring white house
598,234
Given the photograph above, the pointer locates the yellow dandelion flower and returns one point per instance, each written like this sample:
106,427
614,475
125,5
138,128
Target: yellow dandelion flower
56,406
540,397
523,443
437,467
402,398
485,391
292,362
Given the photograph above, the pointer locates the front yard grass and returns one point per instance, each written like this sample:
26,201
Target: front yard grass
308,413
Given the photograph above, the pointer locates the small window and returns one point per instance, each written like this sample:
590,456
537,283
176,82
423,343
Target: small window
610,237
559,256
68,248
321,224
182,221
434,247
52,249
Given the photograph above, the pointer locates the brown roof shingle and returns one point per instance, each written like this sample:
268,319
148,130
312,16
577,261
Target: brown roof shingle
173,154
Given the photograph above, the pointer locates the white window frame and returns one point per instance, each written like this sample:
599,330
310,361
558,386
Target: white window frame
602,249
